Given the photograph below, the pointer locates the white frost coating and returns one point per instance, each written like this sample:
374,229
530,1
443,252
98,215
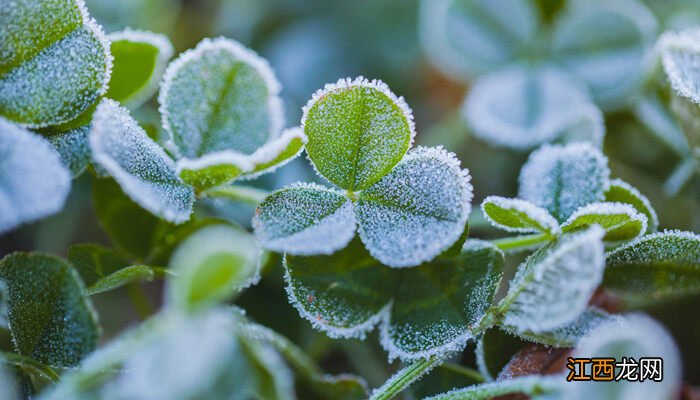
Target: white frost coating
394,351
141,167
499,107
554,284
652,252
561,179
304,219
73,148
540,215
610,209
680,55
417,210
653,223
273,149
239,160
33,181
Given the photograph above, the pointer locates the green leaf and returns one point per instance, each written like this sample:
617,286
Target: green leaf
569,335
73,148
29,366
358,131
535,387
655,267
553,286
126,275
515,215
417,211
622,192
55,62
427,310
680,55
140,166
277,152
139,61
211,265
494,350
605,43
561,179
304,219
51,319
33,181
620,221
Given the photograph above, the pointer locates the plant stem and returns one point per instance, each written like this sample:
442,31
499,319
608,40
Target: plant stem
522,242
244,194
405,377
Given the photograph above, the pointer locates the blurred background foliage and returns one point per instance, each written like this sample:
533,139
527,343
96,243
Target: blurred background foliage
313,42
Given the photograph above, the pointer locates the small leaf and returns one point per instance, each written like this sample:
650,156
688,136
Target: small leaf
542,295
358,131
139,61
277,153
620,221
561,179
141,167
55,62
29,366
51,320
33,181
658,266
680,55
522,107
416,211
304,219
211,265
73,148
515,215
465,38
126,275
622,192
605,43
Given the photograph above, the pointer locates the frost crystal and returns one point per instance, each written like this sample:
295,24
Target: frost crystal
73,148
620,221
622,192
680,55
563,178
33,181
417,210
516,215
140,166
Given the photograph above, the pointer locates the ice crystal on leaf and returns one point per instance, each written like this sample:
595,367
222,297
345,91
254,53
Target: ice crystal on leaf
140,166
680,55
33,181
620,221
622,192
73,148
516,215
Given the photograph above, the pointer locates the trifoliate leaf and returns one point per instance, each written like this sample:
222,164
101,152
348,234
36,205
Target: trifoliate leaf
427,310
622,192
494,349
680,55
358,131
417,210
55,61
211,265
33,181
304,219
657,266
522,107
465,37
568,335
620,221
629,340
220,96
139,61
516,215
561,179
49,316
553,286
605,43
73,148
140,166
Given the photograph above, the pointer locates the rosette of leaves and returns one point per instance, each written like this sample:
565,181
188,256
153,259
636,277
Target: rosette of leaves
525,93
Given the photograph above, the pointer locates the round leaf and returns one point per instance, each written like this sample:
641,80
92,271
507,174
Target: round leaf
622,192
515,215
620,221
358,131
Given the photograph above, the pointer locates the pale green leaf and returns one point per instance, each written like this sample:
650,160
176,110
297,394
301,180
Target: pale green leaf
358,131
622,192
73,148
126,275
620,221
516,215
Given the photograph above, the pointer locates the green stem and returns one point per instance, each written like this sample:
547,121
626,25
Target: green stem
523,242
244,194
405,377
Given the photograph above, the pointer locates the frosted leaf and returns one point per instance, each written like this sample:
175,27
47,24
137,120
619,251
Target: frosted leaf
358,131
535,387
277,152
417,210
522,107
55,61
304,219
622,192
633,337
515,215
561,179
542,295
49,316
211,265
73,148
620,221
658,266
466,38
220,96
680,55
604,43
33,181
141,167
424,311
140,58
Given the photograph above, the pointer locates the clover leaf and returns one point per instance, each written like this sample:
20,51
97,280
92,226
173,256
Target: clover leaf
620,221
426,310
516,215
